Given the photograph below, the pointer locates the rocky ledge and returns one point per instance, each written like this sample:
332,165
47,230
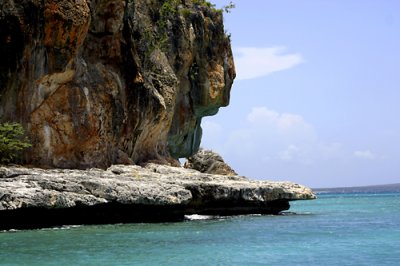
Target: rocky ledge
34,198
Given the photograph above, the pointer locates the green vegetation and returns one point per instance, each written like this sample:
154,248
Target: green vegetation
12,142
169,7
203,3
185,12
229,7
158,39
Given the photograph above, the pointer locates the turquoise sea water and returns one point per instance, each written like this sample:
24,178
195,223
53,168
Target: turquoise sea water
337,229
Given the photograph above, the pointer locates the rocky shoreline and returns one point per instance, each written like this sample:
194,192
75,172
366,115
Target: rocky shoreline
35,198
110,84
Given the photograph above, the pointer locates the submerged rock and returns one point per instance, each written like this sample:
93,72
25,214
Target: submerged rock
101,82
33,197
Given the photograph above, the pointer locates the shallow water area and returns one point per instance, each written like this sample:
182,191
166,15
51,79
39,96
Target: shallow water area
335,229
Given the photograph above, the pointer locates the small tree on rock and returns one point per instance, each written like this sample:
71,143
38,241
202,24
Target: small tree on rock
12,142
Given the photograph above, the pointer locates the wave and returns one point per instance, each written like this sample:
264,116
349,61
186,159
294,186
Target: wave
198,217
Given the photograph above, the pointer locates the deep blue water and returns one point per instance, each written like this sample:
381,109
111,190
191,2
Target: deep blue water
336,229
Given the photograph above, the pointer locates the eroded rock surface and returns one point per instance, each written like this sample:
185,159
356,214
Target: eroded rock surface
207,161
32,197
99,82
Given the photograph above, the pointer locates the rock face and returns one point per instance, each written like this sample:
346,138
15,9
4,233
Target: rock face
210,162
99,82
32,197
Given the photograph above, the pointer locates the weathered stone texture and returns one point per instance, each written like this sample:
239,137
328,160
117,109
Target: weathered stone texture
210,162
97,82
124,193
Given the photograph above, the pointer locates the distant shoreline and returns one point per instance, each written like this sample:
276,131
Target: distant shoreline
387,188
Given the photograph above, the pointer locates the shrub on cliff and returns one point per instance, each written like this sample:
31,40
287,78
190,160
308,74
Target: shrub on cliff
12,142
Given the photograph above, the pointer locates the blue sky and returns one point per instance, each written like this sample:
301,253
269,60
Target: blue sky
317,95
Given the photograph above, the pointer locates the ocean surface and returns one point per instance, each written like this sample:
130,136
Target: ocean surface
335,229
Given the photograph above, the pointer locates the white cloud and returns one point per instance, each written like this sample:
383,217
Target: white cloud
290,153
252,62
367,154
284,121
272,136
269,144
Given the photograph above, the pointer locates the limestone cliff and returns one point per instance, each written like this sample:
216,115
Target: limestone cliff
99,82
